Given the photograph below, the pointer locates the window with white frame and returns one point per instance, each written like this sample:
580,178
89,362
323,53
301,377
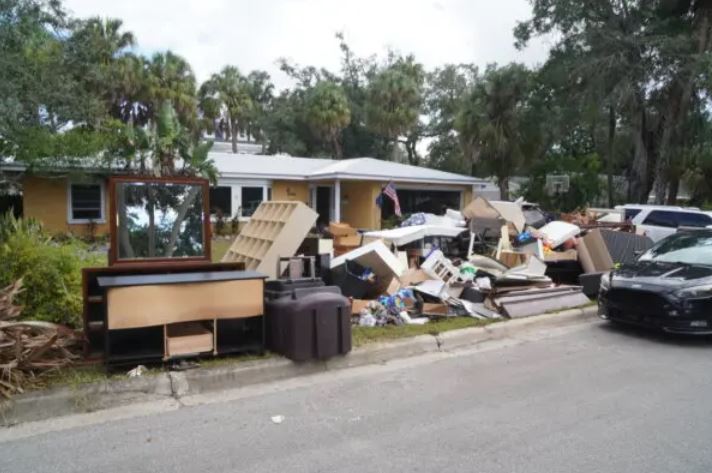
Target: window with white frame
221,201
86,203
251,198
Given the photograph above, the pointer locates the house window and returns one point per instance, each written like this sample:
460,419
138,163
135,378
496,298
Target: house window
86,203
251,198
221,201
429,201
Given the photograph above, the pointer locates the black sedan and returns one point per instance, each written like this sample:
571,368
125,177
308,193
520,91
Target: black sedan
669,287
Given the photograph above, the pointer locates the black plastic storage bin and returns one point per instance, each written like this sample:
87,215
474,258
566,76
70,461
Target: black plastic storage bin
277,288
347,277
309,323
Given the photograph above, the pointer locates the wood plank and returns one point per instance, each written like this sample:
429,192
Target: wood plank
151,305
188,338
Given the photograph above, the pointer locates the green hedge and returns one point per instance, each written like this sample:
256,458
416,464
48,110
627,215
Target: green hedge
50,270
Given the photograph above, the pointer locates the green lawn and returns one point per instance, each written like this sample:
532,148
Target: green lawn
365,335
219,247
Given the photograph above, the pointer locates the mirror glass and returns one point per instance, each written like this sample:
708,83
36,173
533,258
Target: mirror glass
159,220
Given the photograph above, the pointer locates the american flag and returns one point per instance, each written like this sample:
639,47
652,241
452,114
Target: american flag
390,191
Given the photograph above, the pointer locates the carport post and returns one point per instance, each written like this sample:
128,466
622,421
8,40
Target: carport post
337,200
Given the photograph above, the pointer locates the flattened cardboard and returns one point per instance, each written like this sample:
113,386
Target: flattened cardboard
436,309
357,305
598,251
412,277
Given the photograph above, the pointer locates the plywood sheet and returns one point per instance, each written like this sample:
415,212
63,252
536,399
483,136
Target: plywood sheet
146,306
185,339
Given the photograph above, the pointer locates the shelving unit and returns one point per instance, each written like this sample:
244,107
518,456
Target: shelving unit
145,331
163,316
276,229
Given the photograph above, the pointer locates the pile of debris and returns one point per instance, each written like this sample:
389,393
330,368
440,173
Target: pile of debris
29,348
493,259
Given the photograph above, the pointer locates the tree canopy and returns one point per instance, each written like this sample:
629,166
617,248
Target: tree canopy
624,93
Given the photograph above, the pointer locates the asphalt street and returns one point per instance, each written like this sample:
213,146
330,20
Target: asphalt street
590,399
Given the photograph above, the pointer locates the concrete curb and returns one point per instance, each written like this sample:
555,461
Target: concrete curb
63,401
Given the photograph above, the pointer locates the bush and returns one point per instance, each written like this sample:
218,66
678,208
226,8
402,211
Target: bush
51,270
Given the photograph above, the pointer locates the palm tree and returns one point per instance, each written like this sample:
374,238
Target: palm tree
261,89
108,39
227,95
491,120
170,78
328,113
394,101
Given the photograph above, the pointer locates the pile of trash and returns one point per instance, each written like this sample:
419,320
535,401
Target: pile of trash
515,264
493,259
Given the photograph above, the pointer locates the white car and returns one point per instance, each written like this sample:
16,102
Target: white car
660,221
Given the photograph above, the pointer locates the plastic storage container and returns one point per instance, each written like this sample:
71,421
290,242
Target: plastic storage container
348,277
309,323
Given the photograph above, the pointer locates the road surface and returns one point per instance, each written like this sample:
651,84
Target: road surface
590,399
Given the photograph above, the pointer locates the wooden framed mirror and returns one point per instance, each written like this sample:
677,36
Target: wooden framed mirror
159,220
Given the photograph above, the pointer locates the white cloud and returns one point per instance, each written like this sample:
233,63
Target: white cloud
253,34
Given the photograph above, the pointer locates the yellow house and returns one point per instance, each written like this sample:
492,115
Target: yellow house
345,190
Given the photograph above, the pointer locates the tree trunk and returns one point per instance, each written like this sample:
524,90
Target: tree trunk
124,238
151,221
180,216
673,188
338,153
233,134
503,183
609,161
678,102
639,169
413,158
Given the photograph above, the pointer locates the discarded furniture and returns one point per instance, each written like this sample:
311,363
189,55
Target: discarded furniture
94,296
162,316
158,220
306,319
161,297
538,301
374,256
625,247
276,229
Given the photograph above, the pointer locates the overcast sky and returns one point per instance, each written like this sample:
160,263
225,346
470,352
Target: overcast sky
253,34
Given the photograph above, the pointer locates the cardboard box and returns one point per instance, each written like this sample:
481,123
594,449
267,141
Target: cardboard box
357,305
568,255
339,229
436,309
348,240
512,258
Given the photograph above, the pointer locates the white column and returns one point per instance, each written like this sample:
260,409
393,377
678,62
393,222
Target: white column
337,200
235,190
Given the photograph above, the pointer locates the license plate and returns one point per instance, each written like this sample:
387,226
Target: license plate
698,323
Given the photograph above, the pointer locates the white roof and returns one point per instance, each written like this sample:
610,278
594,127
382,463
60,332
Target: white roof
257,166
287,167
266,166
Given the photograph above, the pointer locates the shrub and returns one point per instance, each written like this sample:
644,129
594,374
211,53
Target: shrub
51,270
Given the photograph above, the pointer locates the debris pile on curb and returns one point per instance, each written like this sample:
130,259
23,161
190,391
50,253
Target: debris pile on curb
492,260
29,348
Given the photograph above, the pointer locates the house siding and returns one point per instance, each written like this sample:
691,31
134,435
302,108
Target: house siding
290,190
45,199
466,197
358,204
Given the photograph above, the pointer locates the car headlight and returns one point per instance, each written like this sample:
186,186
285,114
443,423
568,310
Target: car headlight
605,281
695,292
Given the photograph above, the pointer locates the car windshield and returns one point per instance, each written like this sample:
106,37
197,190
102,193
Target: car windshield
690,248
